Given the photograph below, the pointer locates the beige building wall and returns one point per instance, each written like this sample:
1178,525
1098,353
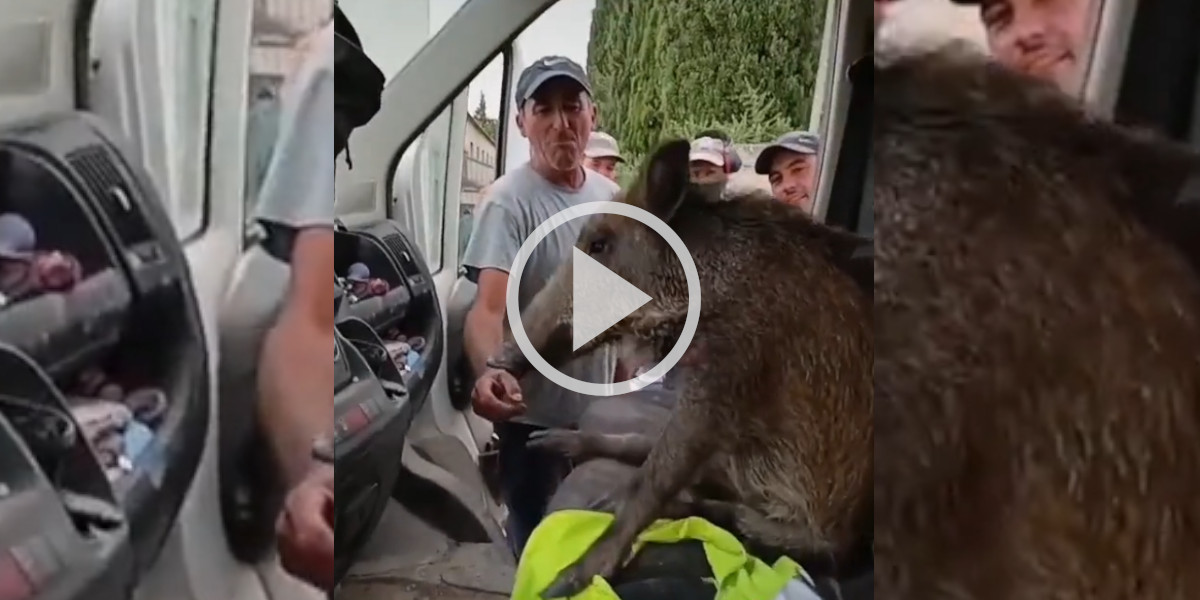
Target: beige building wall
279,26
479,162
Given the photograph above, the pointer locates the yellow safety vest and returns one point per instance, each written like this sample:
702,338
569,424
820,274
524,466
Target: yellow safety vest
564,536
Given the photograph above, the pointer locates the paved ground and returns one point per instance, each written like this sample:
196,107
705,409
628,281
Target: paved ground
407,559
400,589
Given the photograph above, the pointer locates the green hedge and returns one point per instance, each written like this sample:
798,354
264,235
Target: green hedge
670,68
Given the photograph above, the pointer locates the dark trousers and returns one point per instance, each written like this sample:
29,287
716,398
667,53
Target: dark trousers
528,478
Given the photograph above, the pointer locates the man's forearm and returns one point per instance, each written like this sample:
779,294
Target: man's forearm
296,388
484,333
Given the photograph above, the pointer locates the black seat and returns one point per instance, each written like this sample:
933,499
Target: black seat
861,267
676,571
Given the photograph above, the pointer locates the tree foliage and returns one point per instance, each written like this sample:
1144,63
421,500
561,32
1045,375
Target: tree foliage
671,68
489,125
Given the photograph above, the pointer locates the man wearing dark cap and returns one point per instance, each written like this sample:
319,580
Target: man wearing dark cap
790,163
1048,39
556,114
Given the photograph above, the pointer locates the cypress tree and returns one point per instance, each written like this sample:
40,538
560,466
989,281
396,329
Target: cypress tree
674,67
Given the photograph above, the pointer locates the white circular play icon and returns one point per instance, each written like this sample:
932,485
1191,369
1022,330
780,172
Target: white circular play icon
601,298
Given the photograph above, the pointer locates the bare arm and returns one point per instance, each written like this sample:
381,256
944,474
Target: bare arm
484,327
295,375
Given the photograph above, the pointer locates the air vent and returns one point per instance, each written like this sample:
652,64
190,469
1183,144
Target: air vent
396,244
97,171
100,175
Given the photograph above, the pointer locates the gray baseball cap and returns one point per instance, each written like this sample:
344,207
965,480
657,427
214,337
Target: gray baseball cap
546,68
17,237
602,145
800,142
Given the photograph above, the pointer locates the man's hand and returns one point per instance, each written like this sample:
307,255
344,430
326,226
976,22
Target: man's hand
497,396
305,528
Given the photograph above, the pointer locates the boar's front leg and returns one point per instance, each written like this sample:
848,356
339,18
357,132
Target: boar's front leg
628,448
649,326
547,321
547,324
673,461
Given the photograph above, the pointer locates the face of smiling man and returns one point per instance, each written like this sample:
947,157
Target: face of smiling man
1047,39
793,177
790,164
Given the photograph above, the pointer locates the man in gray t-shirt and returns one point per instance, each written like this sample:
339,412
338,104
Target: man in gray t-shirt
519,202
556,114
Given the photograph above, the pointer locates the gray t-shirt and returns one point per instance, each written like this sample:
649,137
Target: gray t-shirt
517,204
298,187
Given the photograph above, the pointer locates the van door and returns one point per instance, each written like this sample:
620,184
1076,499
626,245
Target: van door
389,321
427,99
106,393
407,189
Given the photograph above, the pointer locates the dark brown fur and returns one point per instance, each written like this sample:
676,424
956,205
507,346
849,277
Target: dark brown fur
775,410
1037,339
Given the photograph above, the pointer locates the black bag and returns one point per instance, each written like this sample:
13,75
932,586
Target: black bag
359,83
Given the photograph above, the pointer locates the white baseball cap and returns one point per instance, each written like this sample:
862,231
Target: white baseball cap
709,150
602,145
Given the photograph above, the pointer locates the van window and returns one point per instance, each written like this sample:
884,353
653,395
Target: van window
188,45
277,45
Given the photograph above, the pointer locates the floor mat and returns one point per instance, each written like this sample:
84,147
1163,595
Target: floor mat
400,589
467,572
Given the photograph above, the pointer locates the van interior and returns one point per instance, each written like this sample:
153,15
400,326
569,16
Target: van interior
120,230
445,495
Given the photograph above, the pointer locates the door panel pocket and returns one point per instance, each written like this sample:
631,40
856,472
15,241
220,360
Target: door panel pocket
99,327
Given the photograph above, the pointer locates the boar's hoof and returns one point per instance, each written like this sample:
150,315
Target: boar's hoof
601,560
567,442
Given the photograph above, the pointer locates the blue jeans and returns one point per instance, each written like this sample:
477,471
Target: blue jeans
528,478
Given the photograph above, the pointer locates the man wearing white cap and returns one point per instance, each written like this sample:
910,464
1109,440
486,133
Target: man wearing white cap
708,161
602,154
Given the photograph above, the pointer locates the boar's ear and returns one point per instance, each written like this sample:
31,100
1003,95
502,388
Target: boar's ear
664,183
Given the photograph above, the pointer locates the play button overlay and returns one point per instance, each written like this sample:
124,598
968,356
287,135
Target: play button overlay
601,298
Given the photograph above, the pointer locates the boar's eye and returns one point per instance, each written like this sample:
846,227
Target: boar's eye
598,246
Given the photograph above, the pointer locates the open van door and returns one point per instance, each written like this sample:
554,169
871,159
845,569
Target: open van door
390,325
122,227
398,197
105,387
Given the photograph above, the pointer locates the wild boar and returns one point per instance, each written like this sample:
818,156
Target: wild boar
775,396
1037,338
